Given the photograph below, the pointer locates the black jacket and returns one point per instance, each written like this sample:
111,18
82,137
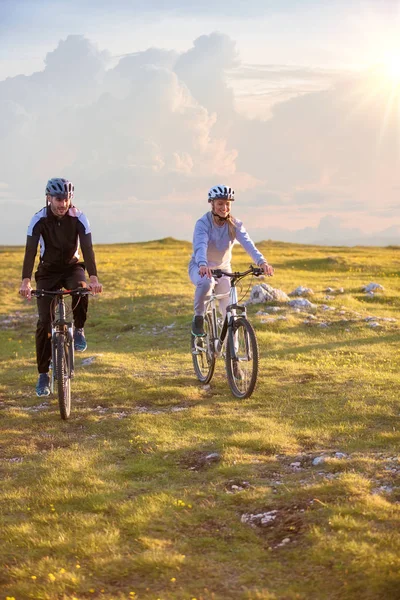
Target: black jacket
60,241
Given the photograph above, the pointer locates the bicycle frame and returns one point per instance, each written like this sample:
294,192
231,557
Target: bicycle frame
233,311
60,325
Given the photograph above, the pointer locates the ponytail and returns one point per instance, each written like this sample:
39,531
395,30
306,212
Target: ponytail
232,227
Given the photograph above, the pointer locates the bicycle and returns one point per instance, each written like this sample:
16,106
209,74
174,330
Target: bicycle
62,345
234,334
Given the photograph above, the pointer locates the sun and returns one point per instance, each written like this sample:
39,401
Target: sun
391,67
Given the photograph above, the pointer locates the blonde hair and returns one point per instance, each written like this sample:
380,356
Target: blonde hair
232,227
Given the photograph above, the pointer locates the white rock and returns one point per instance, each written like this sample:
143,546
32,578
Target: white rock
257,295
88,361
302,303
268,517
318,460
284,542
373,287
259,519
340,455
386,489
266,293
302,291
213,457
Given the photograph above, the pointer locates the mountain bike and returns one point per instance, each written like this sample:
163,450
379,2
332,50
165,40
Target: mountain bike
62,345
233,337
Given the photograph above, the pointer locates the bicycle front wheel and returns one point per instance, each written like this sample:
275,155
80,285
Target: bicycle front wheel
242,358
63,375
203,355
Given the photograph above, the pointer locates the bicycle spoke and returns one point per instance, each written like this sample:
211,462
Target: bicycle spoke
203,354
242,359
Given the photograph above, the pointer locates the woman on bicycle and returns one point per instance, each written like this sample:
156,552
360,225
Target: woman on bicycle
213,239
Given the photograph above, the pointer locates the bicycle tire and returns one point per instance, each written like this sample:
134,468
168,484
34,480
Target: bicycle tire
203,355
63,375
242,370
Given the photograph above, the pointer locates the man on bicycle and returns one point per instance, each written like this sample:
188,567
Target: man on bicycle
62,230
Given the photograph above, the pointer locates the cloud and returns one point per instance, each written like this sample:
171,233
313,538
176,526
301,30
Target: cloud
203,69
284,73
145,138
331,231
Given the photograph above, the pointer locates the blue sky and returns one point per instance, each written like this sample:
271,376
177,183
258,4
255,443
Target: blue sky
295,104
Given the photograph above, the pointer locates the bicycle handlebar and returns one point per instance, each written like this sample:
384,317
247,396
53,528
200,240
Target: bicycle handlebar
80,291
256,271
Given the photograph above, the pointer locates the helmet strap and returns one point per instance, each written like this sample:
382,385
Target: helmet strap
221,219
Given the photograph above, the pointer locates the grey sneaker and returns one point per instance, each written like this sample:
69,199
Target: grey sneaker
43,385
80,344
198,325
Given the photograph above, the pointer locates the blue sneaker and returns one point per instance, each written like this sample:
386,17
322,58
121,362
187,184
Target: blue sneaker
43,385
80,344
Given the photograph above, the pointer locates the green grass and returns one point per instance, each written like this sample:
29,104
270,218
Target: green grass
119,502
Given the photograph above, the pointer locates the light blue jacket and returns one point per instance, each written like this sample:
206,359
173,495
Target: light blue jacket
212,245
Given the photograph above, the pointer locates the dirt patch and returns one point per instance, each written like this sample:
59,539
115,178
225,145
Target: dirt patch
196,460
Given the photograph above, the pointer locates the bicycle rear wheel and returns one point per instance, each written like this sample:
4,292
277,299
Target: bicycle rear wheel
242,358
62,370
203,353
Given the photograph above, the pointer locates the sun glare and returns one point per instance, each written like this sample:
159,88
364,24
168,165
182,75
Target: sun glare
391,67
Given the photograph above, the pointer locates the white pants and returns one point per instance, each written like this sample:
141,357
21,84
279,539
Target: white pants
204,286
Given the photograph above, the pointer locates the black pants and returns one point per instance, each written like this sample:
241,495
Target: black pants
72,277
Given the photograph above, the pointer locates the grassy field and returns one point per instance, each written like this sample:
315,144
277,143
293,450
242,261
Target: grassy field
124,501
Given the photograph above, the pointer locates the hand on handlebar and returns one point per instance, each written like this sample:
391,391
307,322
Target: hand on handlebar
94,285
25,289
205,271
267,269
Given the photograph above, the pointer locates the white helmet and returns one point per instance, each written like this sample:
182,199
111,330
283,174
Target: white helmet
221,192
60,187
